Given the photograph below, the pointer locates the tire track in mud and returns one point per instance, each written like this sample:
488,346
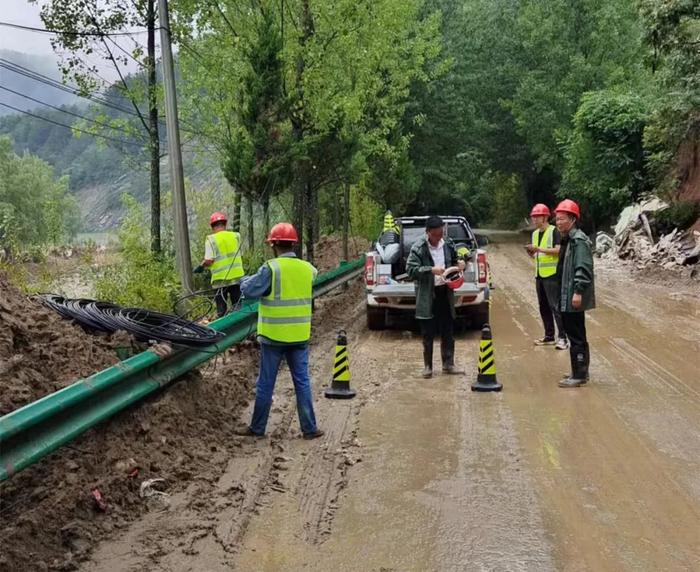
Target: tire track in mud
322,478
663,380
204,526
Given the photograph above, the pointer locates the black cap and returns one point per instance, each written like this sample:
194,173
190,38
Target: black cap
433,222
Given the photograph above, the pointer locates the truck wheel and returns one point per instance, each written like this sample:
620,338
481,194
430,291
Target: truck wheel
376,318
481,316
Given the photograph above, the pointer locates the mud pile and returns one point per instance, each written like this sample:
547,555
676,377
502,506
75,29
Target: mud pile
329,251
50,517
40,353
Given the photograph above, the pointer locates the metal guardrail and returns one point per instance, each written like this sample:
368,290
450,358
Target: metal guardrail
39,428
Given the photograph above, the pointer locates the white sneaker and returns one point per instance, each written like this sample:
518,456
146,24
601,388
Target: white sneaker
562,344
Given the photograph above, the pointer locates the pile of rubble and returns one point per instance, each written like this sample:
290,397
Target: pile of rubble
637,239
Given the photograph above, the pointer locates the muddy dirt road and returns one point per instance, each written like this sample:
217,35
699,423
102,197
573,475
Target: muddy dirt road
425,475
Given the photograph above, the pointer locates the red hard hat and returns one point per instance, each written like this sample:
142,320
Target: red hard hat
217,217
454,277
540,210
282,232
568,206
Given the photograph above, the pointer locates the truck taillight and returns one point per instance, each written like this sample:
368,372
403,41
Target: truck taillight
369,270
483,269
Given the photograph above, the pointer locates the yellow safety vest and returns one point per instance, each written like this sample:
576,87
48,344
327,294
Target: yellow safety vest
390,224
545,264
228,264
284,315
463,252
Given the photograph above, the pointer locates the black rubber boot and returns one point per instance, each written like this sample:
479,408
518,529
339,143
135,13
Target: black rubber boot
579,375
586,362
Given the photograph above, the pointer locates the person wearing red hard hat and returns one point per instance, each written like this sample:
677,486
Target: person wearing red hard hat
544,249
222,256
577,294
284,288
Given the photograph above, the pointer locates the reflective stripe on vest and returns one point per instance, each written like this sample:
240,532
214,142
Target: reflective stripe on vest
228,264
390,224
284,315
545,264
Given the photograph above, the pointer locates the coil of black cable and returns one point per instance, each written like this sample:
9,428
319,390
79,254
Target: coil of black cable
143,324
55,303
148,325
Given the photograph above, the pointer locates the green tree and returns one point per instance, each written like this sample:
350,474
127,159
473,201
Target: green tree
86,28
568,50
326,82
35,206
605,160
672,34
463,129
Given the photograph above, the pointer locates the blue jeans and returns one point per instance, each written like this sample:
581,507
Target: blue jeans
298,361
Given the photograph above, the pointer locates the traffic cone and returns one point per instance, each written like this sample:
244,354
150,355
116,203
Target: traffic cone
486,379
340,386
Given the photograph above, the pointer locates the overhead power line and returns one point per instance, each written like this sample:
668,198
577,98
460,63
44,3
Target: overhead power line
70,32
36,76
73,90
66,111
58,123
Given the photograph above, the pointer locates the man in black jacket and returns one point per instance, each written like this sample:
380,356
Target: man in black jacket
435,311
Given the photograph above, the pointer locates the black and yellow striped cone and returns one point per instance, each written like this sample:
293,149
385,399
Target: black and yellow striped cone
486,379
340,386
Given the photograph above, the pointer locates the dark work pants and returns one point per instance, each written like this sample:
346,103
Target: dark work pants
548,298
575,328
224,294
443,323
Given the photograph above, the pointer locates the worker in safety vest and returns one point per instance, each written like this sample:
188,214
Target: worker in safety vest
222,256
284,286
544,249
389,223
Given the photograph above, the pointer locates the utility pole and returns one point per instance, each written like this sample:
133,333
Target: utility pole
182,237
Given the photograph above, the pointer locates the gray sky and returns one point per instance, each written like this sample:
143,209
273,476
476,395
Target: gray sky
26,14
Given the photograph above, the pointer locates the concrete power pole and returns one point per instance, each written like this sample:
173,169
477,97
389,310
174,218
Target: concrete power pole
182,237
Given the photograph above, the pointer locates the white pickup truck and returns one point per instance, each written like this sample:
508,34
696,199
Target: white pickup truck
396,294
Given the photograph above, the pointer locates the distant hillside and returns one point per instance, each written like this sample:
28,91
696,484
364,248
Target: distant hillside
44,65
99,174
98,170
83,159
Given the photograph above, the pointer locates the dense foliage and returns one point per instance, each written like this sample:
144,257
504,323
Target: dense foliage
35,206
481,107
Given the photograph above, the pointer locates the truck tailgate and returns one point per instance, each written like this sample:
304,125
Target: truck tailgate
408,289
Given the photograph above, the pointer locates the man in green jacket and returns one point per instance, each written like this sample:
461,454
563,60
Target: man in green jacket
575,271
435,309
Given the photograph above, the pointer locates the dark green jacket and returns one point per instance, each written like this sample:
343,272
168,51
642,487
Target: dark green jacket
419,267
576,273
